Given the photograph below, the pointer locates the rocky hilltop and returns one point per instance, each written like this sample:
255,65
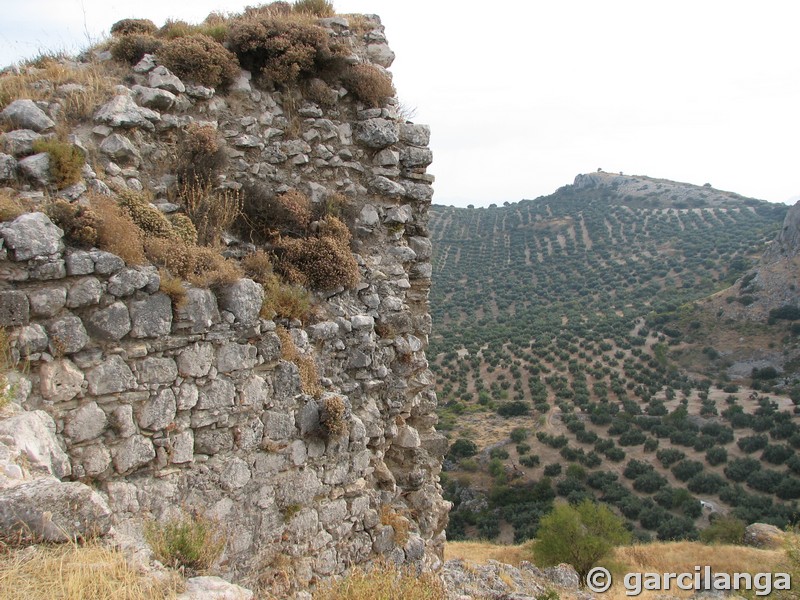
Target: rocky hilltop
311,439
657,192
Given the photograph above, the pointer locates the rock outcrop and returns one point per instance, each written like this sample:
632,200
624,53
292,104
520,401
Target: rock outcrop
163,408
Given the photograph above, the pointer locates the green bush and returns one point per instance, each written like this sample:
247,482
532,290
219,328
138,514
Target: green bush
201,59
463,448
190,543
581,536
724,530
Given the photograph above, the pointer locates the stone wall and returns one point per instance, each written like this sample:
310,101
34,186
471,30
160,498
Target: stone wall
164,408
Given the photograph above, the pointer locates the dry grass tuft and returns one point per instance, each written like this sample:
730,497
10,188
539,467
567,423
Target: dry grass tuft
317,8
383,582
480,552
211,212
97,82
75,572
335,422
391,516
683,556
116,231
280,299
200,266
10,207
309,377
173,287
6,363
66,160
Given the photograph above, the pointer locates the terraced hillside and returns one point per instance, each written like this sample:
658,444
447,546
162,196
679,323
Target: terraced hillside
550,383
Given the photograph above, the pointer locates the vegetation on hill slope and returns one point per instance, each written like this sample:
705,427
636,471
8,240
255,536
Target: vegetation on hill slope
554,383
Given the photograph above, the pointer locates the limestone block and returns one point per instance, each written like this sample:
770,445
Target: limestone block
85,423
111,376
24,114
243,299
199,309
127,281
136,451
48,510
60,380
110,323
31,235
33,434
196,360
158,412
151,317
85,292
46,302
67,335
218,393
232,357
157,370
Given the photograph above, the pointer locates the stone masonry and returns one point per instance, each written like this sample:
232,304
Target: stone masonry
163,408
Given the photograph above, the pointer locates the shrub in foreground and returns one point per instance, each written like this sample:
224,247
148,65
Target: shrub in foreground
580,535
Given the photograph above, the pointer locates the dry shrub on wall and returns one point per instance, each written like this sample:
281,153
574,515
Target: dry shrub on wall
150,220
320,92
202,158
266,215
80,223
131,48
322,262
103,224
280,299
212,212
66,160
282,50
183,228
203,267
368,84
201,59
117,232
131,26
10,208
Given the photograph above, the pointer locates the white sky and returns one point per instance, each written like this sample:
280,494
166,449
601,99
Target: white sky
522,96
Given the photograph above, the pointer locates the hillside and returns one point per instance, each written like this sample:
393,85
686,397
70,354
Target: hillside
551,382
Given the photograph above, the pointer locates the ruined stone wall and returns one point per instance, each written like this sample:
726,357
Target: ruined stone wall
164,408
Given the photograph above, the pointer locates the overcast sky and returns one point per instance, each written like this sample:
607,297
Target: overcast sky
522,96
